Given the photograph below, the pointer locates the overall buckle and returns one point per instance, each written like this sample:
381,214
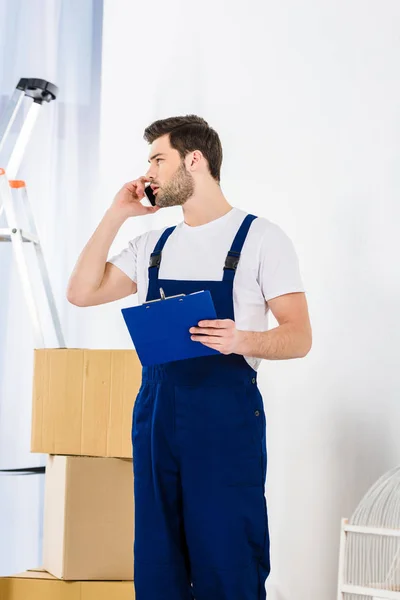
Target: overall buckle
232,260
155,259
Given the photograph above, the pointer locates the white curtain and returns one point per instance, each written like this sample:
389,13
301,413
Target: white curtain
60,41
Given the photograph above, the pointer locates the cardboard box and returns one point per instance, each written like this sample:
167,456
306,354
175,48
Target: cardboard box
83,401
88,529
39,585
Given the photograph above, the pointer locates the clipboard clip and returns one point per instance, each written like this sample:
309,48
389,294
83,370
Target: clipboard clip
164,297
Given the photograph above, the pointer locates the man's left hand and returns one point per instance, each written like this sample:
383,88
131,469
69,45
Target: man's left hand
220,334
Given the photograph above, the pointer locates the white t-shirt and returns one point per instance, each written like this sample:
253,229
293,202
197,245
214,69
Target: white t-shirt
268,265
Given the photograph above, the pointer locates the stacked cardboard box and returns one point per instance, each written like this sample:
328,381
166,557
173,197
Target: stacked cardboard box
82,408
39,585
82,401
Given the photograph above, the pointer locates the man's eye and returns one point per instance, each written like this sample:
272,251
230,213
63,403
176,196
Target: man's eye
158,160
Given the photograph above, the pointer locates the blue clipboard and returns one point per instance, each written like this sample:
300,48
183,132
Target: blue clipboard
160,328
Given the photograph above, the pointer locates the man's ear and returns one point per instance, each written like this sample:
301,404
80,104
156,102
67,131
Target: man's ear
193,159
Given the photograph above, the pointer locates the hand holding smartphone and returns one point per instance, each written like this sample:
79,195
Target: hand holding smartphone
127,202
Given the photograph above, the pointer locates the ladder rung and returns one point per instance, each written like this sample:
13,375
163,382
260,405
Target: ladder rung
6,235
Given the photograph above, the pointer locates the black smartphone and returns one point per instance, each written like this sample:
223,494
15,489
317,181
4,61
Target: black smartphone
149,193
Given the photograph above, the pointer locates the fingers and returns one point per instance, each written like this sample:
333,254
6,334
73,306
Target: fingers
140,185
200,330
139,190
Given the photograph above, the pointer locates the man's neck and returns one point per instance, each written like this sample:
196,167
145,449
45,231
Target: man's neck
205,206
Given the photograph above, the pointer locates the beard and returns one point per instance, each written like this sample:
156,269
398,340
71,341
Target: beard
177,191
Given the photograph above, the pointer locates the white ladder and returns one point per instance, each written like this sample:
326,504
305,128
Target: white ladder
13,194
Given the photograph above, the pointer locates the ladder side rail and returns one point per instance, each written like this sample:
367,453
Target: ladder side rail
18,248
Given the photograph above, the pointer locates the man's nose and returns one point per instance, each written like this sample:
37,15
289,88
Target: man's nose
149,173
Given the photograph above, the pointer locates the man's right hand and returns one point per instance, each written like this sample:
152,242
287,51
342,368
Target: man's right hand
127,202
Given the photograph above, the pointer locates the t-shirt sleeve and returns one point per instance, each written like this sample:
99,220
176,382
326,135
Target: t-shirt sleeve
126,260
279,272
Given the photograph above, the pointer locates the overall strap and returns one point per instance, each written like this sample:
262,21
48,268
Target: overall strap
155,256
232,259
233,256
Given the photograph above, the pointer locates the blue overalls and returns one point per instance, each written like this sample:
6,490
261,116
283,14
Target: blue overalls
200,460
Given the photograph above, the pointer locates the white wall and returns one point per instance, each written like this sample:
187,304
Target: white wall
305,96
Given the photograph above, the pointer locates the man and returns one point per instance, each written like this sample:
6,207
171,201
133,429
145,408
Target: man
199,429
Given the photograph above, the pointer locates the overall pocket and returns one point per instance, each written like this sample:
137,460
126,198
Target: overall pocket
141,430
245,465
255,413
134,411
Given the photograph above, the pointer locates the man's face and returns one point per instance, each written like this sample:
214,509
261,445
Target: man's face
171,182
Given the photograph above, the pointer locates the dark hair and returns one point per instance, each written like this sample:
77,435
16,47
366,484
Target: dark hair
187,134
